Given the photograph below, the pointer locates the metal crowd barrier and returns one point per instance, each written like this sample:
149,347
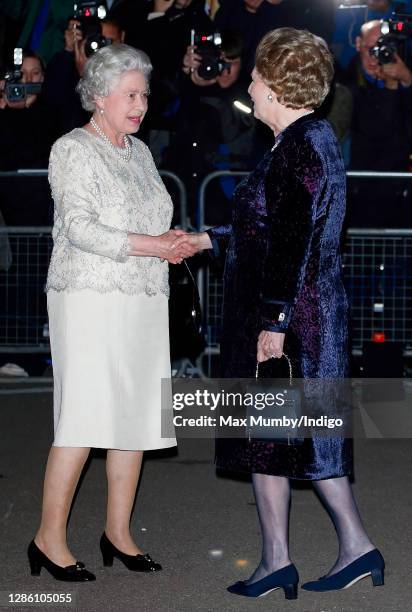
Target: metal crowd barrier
228,173
24,259
377,266
183,222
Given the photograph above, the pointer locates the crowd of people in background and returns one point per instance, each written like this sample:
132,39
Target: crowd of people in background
194,126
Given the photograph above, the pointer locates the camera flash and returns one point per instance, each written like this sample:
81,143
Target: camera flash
18,56
385,27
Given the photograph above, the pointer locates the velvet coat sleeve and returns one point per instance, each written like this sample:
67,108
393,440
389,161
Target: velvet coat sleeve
220,237
292,191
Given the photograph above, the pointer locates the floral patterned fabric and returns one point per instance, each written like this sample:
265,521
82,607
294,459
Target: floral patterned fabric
98,199
283,273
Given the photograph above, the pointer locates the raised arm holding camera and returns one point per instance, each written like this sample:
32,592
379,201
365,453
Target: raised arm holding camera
213,133
87,31
27,131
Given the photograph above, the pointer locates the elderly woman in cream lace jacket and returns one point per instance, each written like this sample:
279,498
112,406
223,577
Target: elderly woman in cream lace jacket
107,293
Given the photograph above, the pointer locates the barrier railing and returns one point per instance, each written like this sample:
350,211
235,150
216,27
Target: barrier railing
183,219
24,260
377,267
228,173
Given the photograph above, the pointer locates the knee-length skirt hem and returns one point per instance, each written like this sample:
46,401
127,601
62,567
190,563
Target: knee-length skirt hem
110,353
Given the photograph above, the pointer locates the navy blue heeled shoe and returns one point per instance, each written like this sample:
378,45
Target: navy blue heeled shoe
370,564
286,578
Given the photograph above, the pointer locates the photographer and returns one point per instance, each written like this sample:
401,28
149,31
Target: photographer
164,33
32,71
27,129
348,23
65,69
382,117
381,130
167,26
213,134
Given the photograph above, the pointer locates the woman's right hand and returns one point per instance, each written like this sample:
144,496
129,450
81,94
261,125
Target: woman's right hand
193,243
172,247
168,246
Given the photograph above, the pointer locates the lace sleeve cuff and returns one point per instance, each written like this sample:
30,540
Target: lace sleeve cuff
124,249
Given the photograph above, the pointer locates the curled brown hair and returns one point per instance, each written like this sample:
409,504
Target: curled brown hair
296,65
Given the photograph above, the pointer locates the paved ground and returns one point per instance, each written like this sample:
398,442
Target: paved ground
183,514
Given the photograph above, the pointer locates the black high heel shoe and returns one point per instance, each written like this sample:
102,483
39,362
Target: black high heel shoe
70,573
136,563
286,578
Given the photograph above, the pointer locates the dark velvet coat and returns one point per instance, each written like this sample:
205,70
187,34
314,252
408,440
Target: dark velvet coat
283,273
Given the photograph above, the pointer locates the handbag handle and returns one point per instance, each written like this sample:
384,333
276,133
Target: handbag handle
192,278
289,364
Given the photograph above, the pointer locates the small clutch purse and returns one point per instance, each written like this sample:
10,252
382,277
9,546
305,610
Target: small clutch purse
274,420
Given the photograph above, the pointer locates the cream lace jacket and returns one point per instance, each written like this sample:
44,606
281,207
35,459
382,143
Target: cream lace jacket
99,198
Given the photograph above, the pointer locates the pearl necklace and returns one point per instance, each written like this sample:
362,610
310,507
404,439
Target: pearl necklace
127,148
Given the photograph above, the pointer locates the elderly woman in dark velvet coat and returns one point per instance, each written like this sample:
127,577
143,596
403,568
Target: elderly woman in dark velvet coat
283,290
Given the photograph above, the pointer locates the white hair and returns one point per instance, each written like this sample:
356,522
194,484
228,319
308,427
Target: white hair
105,67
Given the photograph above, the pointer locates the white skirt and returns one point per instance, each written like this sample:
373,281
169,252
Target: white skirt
109,352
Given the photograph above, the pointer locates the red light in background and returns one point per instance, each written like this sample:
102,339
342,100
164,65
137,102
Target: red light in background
204,37
379,337
399,27
87,13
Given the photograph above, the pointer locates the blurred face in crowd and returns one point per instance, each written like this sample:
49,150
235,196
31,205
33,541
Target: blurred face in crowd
370,34
32,70
111,30
125,107
252,5
182,4
230,75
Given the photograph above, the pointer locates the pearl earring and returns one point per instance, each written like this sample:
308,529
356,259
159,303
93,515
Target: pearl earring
101,111
270,97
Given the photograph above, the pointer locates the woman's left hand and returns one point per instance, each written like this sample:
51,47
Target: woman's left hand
270,344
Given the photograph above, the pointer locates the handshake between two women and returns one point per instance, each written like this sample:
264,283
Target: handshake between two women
173,246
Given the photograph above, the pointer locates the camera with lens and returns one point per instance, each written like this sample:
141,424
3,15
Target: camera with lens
90,13
394,39
209,47
386,48
15,90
